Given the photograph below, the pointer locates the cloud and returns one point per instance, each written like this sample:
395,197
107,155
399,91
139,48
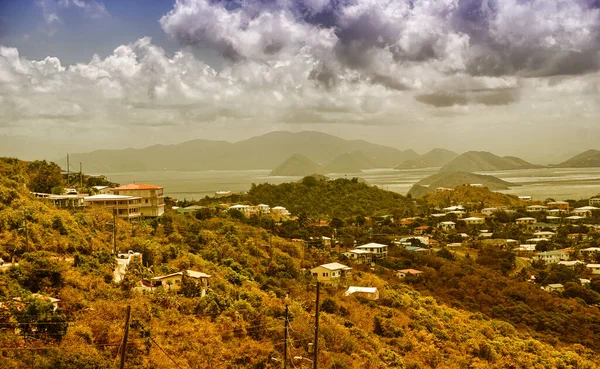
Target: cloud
391,37
51,9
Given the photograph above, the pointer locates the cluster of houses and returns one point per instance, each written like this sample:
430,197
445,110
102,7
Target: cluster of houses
261,209
130,201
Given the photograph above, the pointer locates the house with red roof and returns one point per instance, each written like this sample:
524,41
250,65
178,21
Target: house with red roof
152,198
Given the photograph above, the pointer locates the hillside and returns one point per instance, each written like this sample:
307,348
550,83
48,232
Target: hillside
467,195
297,165
483,161
262,152
453,179
432,159
353,162
587,159
239,322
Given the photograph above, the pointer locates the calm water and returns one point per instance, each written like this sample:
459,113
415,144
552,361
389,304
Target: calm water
538,183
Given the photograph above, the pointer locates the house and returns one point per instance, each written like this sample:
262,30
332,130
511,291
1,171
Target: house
415,249
551,257
484,233
152,198
66,201
526,220
192,209
421,230
544,234
525,198
489,211
540,226
264,209
553,219
570,263
280,211
585,211
358,256
527,247
332,273
447,226
454,208
590,250
369,293
595,201
52,300
174,281
406,241
574,218
403,273
244,209
594,268
376,250
126,207
536,208
561,205
474,220
555,287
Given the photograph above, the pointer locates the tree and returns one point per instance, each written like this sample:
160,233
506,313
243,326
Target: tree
43,176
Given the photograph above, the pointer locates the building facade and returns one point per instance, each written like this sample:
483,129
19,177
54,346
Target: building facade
152,198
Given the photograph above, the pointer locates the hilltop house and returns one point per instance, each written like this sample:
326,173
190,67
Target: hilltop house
403,273
370,293
358,256
376,250
551,257
594,268
561,205
555,287
280,211
332,273
595,201
447,226
126,207
526,220
474,220
152,198
174,281
585,211
536,208
421,230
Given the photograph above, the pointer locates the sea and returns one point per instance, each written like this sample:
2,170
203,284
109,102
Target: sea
540,184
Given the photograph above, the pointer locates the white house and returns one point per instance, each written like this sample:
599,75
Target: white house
358,256
555,287
570,263
489,211
474,220
595,201
594,268
447,226
376,250
370,293
526,220
551,257
544,234
331,273
174,281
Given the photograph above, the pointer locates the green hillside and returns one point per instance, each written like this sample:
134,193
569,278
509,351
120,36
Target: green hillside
297,165
462,314
482,161
434,158
587,159
453,179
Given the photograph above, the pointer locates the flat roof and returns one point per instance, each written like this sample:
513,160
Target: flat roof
372,245
353,289
335,266
137,186
104,197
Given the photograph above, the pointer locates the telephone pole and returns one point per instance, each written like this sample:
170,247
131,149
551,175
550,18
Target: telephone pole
316,348
68,171
124,343
115,231
80,176
285,342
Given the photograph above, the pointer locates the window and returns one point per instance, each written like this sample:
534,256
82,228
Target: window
325,274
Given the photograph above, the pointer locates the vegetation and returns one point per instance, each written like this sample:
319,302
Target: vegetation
464,313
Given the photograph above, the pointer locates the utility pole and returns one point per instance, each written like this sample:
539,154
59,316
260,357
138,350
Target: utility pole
316,346
80,176
68,171
124,343
285,342
26,232
115,231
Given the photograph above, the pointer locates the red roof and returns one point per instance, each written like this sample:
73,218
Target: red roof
138,186
410,271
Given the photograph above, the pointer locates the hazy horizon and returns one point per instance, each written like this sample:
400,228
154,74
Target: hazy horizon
510,77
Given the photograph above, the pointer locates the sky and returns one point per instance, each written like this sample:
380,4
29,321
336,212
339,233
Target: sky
515,77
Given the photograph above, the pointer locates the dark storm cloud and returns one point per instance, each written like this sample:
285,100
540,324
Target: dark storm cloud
508,37
443,99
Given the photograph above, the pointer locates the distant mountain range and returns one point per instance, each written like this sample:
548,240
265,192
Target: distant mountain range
483,161
587,159
453,179
434,158
262,152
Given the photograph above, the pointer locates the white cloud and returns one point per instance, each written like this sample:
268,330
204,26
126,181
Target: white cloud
51,9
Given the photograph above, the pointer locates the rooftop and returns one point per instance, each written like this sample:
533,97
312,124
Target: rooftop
335,266
353,289
137,186
372,246
104,197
